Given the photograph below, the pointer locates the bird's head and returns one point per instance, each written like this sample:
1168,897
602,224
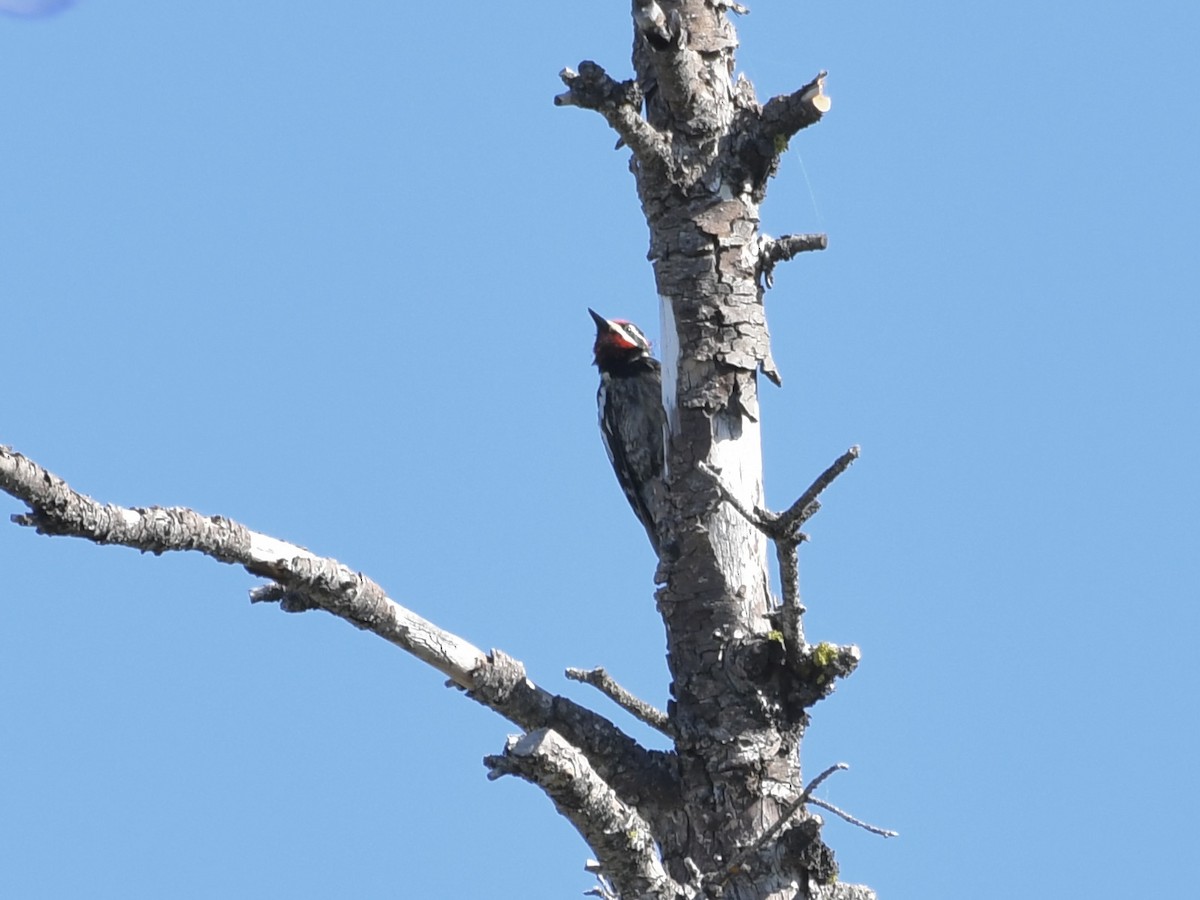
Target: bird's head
617,342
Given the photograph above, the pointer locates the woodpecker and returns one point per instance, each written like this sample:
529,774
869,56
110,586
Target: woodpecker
632,421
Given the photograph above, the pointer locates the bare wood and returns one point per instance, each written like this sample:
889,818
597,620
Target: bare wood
786,114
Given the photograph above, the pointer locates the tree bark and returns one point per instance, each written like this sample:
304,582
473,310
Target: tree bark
702,155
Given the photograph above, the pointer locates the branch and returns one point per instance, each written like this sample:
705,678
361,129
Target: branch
803,509
621,839
786,533
786,114
786,545
773,251
762,519
787,554
636,707
620,104
304,581
874,829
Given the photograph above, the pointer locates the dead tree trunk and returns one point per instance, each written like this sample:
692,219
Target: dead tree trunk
703,151
723,813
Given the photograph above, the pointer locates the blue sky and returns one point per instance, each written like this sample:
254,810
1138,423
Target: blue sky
327,272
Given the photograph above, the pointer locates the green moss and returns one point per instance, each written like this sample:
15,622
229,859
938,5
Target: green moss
824,654
781,144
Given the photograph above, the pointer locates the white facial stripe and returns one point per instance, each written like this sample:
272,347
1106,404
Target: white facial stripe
628,334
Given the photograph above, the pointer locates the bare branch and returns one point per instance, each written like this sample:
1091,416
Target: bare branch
792,614
304,581
773,251
620,104
303,577
786,114
784,530
762,519
635,706
802,510
622,840
820,779
786,547
874,829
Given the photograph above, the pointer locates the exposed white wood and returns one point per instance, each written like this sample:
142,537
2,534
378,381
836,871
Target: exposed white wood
668,354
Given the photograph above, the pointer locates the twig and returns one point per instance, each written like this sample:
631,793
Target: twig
776,250
784,527
770,833
816,782
799,512
762,519
635,706
874,829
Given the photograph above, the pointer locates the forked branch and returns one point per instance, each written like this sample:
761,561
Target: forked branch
620,103
842,814
803,509
784,531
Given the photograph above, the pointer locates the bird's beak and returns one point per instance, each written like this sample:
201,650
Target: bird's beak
601,323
